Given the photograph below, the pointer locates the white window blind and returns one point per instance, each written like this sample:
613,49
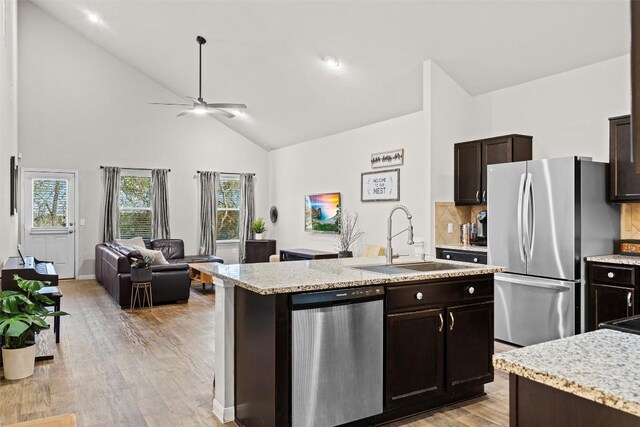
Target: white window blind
228,214
135,204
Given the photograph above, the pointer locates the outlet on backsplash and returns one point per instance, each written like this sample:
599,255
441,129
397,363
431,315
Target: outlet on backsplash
449,217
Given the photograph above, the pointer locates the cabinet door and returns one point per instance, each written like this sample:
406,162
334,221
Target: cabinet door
467,173
624,181
609,303
415,356
469,345
494,151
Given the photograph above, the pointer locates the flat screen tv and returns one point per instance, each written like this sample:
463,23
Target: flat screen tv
322,213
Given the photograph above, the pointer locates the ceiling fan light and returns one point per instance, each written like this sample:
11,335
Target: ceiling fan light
93,18
331,61
200,110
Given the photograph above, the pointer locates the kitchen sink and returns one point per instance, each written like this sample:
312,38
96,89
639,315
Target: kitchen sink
412,267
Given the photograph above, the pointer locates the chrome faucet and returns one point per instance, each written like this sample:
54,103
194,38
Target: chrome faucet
389,252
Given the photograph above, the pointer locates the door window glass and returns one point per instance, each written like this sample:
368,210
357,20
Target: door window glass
49,203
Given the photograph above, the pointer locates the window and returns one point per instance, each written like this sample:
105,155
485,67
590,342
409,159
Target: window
49,203
228,216
135,204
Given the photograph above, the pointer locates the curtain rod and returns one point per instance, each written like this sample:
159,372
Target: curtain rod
231,173
135,169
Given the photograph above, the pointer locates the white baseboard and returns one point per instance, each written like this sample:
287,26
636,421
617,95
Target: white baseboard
87,277
224,415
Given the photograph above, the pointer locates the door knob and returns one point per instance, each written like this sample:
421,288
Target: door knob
70,231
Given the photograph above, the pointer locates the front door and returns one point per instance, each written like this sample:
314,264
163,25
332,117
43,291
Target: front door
48,214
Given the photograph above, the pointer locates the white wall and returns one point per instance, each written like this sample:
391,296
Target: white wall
566,113
80,108
8,122
334,163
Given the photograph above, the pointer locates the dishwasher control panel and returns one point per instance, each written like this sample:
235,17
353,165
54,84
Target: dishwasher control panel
336,296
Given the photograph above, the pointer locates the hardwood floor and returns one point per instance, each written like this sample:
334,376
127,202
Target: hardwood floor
155,368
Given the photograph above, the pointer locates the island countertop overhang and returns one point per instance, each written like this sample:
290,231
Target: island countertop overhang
316,275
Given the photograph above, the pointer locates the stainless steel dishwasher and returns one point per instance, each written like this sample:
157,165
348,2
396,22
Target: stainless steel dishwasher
337,350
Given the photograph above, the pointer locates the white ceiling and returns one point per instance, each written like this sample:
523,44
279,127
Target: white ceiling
268,54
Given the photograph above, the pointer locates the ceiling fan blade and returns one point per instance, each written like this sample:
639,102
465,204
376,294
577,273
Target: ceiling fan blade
194,99
164,103
184,113
226,105
215,112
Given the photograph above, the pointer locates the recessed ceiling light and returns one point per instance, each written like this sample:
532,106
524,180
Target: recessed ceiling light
331,61
92,17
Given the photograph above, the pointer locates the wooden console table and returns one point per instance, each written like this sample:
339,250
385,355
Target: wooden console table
305,254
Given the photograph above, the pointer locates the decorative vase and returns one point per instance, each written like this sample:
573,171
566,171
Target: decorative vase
259,236
345,254
140,275
18,363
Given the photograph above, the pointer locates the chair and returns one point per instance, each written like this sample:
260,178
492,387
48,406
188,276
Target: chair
372,250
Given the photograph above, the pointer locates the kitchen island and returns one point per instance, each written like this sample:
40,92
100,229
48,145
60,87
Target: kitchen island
429,332
588,379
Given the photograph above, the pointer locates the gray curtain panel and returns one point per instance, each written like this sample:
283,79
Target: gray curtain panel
247,213
160,204
111,205
209,182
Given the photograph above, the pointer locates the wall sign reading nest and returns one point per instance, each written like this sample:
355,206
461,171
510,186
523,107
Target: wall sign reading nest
380,186
388,158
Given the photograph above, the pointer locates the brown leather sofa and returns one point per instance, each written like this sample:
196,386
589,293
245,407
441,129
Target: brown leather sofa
170,283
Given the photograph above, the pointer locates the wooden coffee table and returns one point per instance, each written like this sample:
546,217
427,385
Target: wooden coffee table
198,276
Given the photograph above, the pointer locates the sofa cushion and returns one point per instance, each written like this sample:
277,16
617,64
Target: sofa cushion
136,242
157,258
171,248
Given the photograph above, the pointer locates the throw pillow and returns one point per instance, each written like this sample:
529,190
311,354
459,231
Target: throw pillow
158,257
136,242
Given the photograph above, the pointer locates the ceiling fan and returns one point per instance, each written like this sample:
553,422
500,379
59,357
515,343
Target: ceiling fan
199,105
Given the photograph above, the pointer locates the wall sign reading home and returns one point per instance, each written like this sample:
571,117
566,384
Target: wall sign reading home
380,186
322,213
388,158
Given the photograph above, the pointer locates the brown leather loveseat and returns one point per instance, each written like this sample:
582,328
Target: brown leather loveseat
170,283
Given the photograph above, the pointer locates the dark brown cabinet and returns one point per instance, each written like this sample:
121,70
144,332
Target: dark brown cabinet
612,293
469,345
415,362
462,255
624,181
259,250
471,160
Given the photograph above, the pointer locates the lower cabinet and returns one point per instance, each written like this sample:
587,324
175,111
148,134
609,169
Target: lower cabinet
469,345
610,303
415,355
439,342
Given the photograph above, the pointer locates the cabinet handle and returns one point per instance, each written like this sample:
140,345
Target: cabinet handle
629,299
484,196
611,275
478,196
448,256
419,296
453,321
475,260
472,290
441,322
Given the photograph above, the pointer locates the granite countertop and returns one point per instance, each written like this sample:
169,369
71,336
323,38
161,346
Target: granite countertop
461,247
616,259
299,276
600,366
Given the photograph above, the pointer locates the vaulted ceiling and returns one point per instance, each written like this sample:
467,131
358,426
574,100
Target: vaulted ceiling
268,54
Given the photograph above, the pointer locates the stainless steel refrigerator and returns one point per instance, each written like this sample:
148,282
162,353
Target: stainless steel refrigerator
545,217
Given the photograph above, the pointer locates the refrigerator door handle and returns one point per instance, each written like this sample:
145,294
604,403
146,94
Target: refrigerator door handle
519,214
525,216
530,281
530,215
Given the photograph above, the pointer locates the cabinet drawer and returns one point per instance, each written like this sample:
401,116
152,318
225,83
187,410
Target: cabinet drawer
421,295
618,274
464,256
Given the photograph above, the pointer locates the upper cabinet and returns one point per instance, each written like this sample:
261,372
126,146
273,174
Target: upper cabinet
471,160
624,181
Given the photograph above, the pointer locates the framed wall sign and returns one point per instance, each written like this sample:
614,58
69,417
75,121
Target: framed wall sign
380,186
388,158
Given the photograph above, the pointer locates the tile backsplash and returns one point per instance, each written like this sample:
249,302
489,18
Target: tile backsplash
448,212
630,221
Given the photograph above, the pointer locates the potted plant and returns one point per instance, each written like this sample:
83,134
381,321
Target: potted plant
22,315
349,233
258,227
140,267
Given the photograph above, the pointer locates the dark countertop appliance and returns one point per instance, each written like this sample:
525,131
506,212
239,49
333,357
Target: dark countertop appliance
479,233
